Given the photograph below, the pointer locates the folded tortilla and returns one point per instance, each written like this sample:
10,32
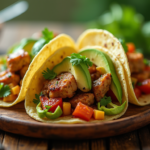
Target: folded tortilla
59,42
97,37
55,56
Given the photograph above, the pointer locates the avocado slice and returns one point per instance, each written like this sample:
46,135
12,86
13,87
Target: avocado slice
80,72
100,59
25,44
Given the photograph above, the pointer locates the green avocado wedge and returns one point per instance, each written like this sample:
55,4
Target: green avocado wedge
100,59
80,72
25,44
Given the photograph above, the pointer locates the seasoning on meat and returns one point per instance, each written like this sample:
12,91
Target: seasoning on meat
101,86
16,61
95,76
85,98
92,69
8,77
136,63
64,85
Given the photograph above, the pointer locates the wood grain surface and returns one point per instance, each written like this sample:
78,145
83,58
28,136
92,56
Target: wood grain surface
15,120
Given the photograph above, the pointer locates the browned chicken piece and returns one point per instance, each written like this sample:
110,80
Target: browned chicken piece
95,76
85,98
136,63
8,77
23,71
17,60
92,69
141,76
45,88
101,86
63,86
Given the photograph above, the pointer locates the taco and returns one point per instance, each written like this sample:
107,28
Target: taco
14,81
70,87
136,73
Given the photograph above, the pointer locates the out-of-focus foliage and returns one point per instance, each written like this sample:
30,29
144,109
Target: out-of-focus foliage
124,22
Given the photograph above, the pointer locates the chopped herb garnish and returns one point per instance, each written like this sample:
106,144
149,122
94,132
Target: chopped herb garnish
146,62
76,59
105,100
4,90
56,82
47,35
49,74
124,45
61,78
139,83
37,100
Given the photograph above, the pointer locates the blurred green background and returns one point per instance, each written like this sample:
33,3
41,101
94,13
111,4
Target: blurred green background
126,19
74,10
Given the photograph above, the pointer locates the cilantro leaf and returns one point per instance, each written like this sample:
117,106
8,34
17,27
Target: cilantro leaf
49,74
124,45
37,100
4,90
146,62
47,35
105,100
76,59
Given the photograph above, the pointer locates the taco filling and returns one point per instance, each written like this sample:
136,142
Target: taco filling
140,71
11,79
83,85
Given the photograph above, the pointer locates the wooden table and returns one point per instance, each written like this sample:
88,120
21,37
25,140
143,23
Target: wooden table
139,139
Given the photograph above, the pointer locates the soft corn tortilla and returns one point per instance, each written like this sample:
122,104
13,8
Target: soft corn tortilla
37,83
60,41
93,37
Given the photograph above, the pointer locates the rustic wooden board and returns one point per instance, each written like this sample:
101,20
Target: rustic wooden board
15,120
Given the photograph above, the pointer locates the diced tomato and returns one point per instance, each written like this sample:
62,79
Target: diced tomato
131,47
137,92
83,111
145,86
112,95
147,68
54,102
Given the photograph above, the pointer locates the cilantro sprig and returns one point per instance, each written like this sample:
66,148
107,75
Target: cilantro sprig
105,100
49,74
46,37
77,59
4,90
37,98
124,45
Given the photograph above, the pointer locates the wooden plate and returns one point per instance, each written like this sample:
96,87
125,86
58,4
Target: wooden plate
15,120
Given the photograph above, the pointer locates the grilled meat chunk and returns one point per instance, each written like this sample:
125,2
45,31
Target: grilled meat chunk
95,76
92,69
101,86
85,98
8,77
45,88
63,86
136,63
141,76
17,60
